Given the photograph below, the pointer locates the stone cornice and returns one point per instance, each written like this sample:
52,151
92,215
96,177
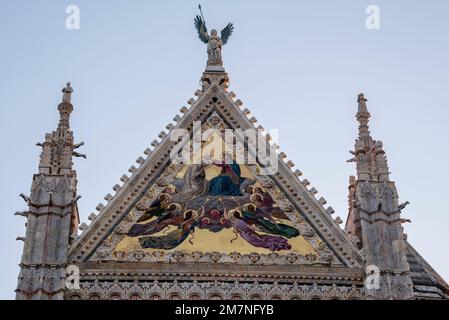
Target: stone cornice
226,272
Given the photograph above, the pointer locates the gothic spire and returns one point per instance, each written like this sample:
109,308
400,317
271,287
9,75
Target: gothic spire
65,108
52,215
374,218
369,154
363,116
58,148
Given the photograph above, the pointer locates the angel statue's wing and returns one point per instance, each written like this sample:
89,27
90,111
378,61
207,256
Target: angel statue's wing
200,26
226,32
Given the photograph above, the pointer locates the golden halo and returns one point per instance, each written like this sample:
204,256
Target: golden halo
256,196
231,213
249,207
194,213
176,205
164,196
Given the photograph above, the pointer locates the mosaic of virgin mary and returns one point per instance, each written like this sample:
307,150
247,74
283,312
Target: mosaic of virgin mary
226,201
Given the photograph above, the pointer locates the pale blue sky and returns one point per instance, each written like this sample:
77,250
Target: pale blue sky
298,65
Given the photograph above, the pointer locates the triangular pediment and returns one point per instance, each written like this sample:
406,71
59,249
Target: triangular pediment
219,212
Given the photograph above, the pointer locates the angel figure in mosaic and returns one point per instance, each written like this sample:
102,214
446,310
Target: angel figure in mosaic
226,201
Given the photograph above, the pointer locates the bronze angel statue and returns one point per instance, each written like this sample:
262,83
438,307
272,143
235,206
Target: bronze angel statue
213,41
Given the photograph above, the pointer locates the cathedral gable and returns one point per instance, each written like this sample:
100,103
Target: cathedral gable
240,215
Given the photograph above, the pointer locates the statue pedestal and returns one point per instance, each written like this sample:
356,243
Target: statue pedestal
215,69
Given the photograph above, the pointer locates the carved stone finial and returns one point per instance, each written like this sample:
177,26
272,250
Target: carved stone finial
65,107
363,116
361,100
361,97
67,93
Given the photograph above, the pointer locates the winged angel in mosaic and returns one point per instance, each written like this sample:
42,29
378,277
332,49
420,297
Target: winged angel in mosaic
227,200
213,41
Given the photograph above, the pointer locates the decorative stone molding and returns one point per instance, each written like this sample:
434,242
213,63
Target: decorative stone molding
215,290
203,271
292,258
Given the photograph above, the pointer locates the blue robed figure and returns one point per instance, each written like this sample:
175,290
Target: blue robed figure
228,182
